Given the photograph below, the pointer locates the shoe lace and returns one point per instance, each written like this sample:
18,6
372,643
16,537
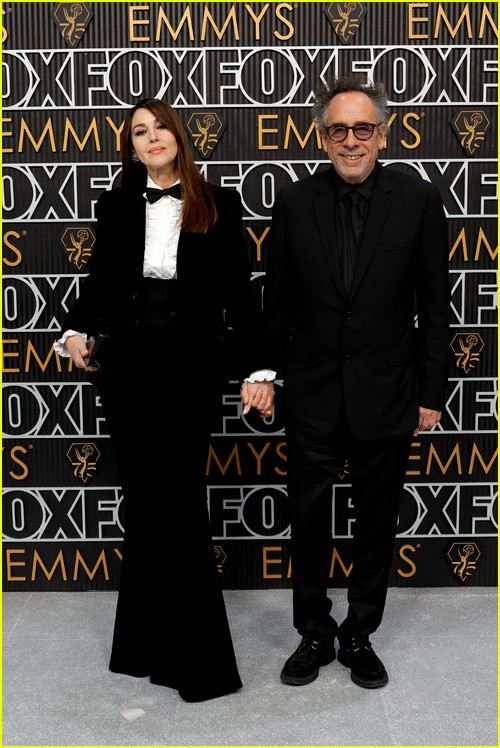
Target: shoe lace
308,642
356,644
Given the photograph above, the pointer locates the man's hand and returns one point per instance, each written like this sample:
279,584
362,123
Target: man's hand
79,352
427,419
258,395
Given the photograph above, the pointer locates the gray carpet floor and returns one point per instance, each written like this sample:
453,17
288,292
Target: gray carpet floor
439,646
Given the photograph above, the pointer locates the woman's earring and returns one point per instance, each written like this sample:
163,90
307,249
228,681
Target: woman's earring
135,158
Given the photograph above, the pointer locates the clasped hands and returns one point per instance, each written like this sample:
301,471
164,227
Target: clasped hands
79,352
427,419
258,395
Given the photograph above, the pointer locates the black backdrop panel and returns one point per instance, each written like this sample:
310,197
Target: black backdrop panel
69,72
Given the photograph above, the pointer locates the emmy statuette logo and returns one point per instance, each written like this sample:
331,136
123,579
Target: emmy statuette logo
78,242
345,19
467,346
72,20
470,126
463,558
206,130
84,457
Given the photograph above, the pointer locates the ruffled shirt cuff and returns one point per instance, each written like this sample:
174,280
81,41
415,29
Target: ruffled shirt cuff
262,375
60,345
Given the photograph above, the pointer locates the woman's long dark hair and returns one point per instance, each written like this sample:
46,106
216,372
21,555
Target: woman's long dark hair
199,211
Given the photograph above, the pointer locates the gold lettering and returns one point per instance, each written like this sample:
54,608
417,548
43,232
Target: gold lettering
481,239
223,469
17,252
409,561
290,125
9,354
414,19
477,453
175,32
391,119
43,365
36,145
229,25
6,134
37,561
461,241
415,458
208,18
283,457
486,15
406,119
290,128
258,241
258,18
81,143
406,124
10,554
79,560
133,22
117,131
267,561
286,22
261,130
15,458
453,31
336,557
444,468
259,456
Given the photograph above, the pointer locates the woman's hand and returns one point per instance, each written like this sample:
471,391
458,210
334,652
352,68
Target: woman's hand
79,352
258,395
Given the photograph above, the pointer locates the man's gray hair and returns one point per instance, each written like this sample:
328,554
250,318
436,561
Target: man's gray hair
325,93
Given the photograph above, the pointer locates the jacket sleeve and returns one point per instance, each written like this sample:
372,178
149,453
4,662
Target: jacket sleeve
278,288
433,305
243,309
87,313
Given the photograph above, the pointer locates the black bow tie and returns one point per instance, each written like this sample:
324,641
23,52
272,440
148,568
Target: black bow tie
153,194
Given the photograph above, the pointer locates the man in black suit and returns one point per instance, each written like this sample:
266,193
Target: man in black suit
357,251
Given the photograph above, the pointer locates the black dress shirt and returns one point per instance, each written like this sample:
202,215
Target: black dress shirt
350,217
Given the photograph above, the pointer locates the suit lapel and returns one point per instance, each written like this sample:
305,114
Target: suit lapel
136,228
377,215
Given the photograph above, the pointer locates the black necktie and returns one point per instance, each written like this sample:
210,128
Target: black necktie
354,235
153,194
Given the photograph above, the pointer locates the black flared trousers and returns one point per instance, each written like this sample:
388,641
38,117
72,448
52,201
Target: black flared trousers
171,622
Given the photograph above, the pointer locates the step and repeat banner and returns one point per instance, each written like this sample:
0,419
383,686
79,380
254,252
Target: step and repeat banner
241,76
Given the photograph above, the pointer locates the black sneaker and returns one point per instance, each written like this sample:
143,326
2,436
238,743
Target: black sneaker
367,670
303,666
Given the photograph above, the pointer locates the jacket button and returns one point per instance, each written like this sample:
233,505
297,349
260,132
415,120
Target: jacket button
135,295
172,313
347,359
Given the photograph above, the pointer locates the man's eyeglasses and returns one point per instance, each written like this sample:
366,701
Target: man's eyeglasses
362,131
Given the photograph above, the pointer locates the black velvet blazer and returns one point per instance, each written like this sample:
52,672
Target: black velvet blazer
213,279
362,350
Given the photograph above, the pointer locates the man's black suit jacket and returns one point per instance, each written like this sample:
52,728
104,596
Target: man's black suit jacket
364,348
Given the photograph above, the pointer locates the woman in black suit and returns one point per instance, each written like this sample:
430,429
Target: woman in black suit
168,274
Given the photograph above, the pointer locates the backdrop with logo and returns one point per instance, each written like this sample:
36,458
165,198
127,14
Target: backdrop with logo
241,76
